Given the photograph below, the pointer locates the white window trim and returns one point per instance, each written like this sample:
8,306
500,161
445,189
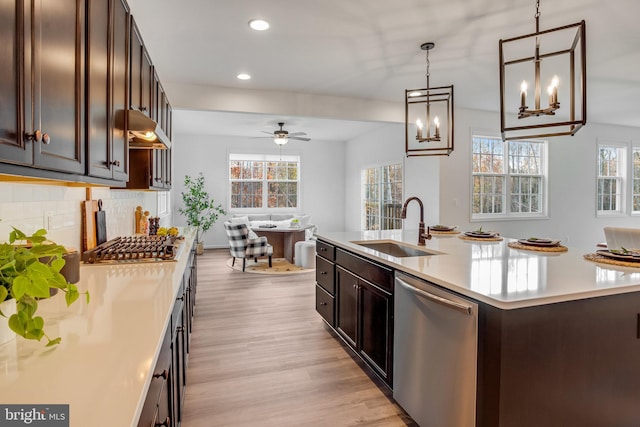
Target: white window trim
516,216
265,155
635,145
625,192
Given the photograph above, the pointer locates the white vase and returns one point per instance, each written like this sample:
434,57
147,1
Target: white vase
8,308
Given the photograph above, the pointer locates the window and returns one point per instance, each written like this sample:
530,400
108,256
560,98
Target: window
508,178
382,197
611,172
636,180
264,181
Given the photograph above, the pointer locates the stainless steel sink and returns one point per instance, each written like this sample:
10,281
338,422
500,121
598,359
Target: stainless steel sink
395,249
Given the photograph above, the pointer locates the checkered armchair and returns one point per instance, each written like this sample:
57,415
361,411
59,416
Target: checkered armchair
242,246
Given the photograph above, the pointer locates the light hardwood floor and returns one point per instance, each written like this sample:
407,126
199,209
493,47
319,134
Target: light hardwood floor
262,356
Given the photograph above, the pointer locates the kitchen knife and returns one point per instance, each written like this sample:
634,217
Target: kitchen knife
101,224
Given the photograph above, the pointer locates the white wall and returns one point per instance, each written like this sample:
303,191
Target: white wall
572,183
386,146
322,175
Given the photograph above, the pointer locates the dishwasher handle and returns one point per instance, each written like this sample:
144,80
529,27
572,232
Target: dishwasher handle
435,298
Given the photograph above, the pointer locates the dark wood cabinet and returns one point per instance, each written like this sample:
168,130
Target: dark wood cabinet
107,88
325,281
165,396
364,320
141,73
150,169
42,124
355,297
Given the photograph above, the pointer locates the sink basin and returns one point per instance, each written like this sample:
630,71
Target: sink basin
395,249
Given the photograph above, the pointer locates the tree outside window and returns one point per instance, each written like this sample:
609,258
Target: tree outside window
264,181
382,197
611,172
508,178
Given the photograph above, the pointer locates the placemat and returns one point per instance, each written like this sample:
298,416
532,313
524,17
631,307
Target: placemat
604,260
518,245
480,239
444,232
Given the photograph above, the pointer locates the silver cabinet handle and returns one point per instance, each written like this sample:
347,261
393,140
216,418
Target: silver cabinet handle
435,298
46,139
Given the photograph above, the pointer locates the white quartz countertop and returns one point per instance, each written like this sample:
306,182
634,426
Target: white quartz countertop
103,366
496,274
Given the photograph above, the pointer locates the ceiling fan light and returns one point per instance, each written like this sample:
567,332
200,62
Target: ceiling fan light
259,24
280,141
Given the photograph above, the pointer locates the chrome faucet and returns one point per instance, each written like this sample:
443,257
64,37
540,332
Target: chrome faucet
421,234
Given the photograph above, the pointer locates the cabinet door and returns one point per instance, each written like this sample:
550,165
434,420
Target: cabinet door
347,302
141,70
98,104
13,147
376,338
120,90
58,84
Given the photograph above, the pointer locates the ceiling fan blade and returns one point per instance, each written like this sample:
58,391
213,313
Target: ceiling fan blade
260,137
268,133
296,133
299,138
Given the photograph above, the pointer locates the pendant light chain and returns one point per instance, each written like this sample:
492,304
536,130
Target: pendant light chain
537,16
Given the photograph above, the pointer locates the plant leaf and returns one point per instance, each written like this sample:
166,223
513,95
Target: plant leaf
3,293
71,295
19,286
54,342
38,287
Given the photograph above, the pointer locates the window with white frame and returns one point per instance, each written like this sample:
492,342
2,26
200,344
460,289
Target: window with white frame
635,167
611,177
262,181
382,197
508,178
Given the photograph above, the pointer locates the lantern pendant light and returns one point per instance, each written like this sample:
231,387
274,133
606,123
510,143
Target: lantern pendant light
429,117
556,57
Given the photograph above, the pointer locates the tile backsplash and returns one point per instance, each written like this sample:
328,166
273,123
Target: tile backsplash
30,207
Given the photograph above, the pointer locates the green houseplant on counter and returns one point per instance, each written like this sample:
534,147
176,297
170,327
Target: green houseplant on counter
200,209
30,271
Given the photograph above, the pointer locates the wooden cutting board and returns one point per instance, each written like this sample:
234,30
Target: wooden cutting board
89,209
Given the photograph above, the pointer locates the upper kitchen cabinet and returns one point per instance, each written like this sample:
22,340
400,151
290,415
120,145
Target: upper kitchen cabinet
107,88
141,88
42,84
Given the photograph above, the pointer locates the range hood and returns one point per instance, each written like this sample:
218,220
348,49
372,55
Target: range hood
145,133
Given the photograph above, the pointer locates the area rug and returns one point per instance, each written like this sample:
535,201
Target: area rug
279,266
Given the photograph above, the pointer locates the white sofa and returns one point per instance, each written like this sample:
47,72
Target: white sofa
280,220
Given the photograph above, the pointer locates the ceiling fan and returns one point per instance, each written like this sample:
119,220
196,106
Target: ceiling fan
282,136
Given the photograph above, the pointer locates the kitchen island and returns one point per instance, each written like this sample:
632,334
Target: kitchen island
105,363
558,337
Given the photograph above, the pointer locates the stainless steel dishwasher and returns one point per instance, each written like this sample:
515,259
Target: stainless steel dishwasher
434,354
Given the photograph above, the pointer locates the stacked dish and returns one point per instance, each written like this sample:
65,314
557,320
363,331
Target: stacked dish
481,234
440,227
539,242
622,254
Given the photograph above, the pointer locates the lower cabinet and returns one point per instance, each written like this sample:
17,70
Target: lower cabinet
364,319
165,397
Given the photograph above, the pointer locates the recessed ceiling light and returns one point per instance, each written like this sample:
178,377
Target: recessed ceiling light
259,24
416,93
243,76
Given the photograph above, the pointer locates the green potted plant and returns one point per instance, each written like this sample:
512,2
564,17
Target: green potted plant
200,209
29,272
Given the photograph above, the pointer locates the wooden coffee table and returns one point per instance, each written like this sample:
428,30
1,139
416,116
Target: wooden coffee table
283,240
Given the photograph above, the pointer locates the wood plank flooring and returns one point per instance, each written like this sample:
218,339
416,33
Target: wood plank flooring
261,356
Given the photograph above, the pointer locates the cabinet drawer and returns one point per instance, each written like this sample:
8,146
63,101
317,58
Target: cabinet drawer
325,305
368,270
326,250
325,274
